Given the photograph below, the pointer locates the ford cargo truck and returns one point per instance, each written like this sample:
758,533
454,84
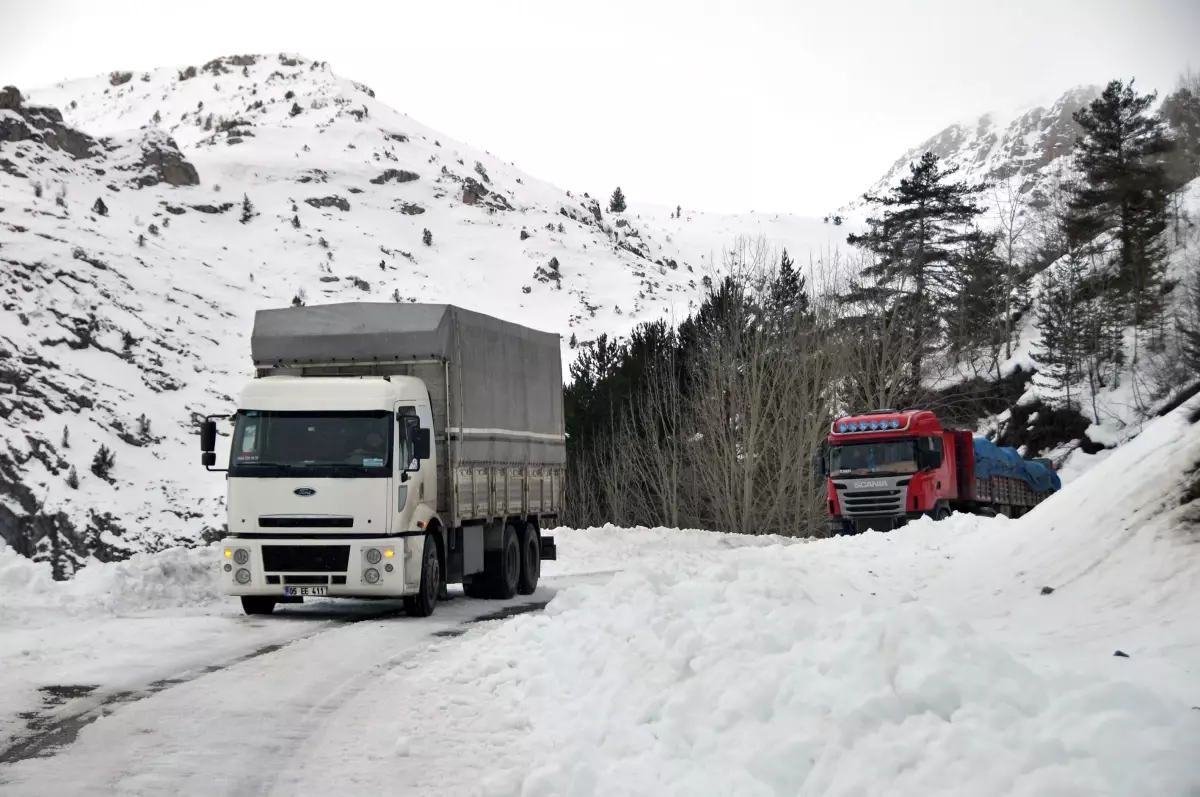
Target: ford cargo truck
886,467
387,450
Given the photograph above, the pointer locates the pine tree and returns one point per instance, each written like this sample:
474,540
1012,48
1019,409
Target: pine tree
917,242
981,292
247,209
1124,194
103,462
1061,321
617,203
786,295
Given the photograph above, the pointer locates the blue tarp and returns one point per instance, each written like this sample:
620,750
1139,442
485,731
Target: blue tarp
992,460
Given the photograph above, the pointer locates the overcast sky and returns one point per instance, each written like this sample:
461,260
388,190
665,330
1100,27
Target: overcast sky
763,105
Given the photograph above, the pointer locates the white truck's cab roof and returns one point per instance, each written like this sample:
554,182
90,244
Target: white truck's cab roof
298,393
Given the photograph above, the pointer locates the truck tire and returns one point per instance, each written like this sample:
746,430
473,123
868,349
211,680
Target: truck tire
941,513
508,573
501,574
257,604
531,560
422,604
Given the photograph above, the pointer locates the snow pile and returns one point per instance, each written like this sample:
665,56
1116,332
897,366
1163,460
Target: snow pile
609,548
734,677
928,660
176,577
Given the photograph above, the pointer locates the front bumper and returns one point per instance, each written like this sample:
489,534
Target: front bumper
857,525
350,568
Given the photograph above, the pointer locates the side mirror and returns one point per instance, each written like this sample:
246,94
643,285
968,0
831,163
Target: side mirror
421,439
208,459
208,436
820,465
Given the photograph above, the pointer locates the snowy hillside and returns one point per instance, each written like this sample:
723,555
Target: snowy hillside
144,217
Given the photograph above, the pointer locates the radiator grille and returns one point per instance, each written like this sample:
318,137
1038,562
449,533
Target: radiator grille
306,558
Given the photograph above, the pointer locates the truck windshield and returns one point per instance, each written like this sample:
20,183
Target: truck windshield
866,459
268,443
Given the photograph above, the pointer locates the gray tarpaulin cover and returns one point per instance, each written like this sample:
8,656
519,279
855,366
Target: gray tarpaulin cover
505,379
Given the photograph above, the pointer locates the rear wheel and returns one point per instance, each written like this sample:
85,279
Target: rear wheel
941,513
422,604
257,604
501,576
508,574
531,560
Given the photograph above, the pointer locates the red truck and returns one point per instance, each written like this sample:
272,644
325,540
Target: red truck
886,467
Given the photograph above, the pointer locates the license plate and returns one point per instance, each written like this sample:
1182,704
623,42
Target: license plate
312,591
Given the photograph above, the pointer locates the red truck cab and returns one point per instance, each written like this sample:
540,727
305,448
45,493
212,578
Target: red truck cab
887,467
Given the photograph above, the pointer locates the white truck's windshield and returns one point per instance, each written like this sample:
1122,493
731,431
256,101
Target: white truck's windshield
865,459
269,443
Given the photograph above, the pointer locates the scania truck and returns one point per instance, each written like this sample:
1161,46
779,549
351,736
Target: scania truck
886,467
387,450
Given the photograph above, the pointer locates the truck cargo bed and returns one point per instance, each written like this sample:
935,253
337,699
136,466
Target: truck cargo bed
495,389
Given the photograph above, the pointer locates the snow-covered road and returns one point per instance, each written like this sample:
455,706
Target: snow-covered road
230,717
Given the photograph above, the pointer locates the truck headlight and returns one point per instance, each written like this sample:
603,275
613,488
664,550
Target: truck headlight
241,556
373,556
242,576
371,575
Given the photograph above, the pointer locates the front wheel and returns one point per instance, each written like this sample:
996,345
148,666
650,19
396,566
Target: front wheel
422,604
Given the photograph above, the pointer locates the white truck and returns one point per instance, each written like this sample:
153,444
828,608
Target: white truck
387,450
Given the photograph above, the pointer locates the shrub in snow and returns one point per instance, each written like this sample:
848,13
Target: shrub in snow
152,229
99,208
427,238
296,109
299,299
73,479
141,239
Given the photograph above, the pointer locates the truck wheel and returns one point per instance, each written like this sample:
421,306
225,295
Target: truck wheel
508,574
941,514
531,560
423,603
257,604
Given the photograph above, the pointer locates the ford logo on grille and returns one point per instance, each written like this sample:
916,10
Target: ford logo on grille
304,492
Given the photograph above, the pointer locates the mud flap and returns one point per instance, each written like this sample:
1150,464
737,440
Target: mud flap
549,550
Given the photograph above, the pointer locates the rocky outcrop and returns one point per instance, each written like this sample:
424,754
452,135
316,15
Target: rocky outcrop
396,175
160,161
41,124
328,202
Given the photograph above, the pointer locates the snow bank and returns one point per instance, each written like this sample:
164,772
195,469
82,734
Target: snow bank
610,548
754,673
924,661
176,577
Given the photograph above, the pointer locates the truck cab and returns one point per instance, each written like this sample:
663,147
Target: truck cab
328,487
887,467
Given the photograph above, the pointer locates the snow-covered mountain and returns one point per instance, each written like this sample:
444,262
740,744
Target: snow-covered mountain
1024,146
144,217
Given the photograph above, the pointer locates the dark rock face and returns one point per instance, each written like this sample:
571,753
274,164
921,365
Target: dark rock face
10,99
162,162
328,202
398,175
42,124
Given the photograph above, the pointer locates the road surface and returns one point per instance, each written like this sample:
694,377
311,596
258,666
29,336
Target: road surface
247,723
